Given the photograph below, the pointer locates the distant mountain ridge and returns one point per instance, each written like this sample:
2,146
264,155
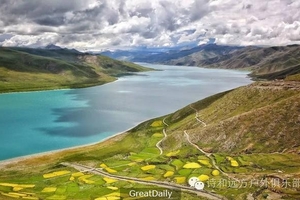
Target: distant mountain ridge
52,47
162,55
265,62
194,56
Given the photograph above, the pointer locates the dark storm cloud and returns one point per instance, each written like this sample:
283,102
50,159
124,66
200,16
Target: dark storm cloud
247,6
41,12
150,33
50,20
37,8
198,10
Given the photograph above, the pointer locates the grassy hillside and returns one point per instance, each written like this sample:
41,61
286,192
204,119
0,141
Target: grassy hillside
248,134
265,62
25,69
261,117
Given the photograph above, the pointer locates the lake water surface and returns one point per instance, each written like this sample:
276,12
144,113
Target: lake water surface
35,122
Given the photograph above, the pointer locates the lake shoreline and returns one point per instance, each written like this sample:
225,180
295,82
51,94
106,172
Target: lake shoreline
56,88
10,161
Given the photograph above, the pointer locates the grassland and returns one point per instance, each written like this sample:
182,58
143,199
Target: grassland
24,69
251,140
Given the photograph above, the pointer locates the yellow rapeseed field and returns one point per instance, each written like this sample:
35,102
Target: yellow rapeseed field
109,180
204,162
49,189
54,174
191,165
148,167
109,170
113,188
156,123
9,184
84,179
17,188
17,185
26,185
215,172
77,174
103,165
9,195
168,174
203,177
234,163
180,179
20,195
174,153
131,164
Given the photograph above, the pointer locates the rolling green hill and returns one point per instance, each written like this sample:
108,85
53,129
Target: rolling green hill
249,135
23,69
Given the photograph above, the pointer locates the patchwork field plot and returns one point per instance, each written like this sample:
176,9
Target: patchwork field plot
168,174
66,183
49,189
157,123
192,165
55,174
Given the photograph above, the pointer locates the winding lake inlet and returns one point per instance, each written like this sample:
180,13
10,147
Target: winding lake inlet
35,122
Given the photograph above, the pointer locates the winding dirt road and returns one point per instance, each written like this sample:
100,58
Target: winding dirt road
173,186
165,136
197,116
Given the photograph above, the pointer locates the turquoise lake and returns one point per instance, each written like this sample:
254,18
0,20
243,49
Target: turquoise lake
35,122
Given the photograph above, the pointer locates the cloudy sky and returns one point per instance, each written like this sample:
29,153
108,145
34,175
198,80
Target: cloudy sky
100,24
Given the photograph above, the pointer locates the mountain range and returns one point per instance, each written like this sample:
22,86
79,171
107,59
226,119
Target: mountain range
265,62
